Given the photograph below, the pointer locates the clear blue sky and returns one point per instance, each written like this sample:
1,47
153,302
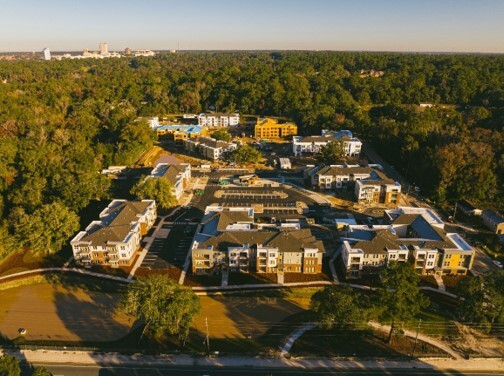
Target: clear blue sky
392,25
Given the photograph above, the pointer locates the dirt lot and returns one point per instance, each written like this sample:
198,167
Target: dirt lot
237,317
49,312
56,313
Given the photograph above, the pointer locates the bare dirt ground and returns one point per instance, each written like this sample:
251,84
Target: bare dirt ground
50,312
474,342
238,317
56,313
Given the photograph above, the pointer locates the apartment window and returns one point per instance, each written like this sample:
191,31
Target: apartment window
123,255
431,256
447,263
123,247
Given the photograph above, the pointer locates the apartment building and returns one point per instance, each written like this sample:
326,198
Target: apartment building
208,147
377,189
262,251
370,185
270,129
313,144
178,174
218,120
229,238
180,133
414,235
114,239
338,176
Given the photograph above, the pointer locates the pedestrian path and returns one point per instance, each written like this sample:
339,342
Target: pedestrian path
294,337
225,278
432,341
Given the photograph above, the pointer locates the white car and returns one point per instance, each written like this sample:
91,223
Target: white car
498,264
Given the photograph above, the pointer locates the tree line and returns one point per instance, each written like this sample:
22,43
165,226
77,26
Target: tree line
62,121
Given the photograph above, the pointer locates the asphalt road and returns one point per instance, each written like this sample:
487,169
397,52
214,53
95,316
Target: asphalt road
114,370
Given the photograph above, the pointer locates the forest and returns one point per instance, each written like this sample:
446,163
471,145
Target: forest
61,122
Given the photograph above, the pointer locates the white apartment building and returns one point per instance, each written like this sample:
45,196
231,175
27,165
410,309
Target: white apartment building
410,235
47,53
218,120
208,147
178,174
114,239
312,144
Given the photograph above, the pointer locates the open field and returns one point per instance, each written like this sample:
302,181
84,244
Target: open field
61,313
53,312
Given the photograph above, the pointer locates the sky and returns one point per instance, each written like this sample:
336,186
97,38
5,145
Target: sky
373,25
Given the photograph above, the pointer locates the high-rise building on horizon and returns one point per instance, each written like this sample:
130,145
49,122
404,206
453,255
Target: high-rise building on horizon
127,51
47,53
103,48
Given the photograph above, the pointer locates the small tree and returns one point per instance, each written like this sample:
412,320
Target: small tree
164,305
222,135
245,154
9,366
331,153
399,296
336,306
158,189
41,371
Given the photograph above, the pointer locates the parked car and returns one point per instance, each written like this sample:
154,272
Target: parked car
498,264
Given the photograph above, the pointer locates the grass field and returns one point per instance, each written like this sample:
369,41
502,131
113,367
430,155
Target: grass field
362,342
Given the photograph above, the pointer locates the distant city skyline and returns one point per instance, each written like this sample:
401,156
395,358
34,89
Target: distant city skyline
371,25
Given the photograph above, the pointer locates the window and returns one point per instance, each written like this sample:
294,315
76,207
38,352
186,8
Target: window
431,256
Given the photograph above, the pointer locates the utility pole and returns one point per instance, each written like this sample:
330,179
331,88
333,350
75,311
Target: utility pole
416,337
454,211
207,338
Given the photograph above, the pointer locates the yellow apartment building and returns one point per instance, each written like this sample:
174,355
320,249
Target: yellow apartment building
270,129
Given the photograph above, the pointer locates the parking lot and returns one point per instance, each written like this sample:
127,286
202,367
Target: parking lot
252,196
171,250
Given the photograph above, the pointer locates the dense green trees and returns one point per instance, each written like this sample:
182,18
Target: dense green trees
245,154
164,305
158,189
483,300
47,229
222,135
9,365
60,123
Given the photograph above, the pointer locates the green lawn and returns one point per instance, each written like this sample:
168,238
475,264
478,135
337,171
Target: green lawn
359,342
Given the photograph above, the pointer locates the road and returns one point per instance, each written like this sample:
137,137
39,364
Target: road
75,370
115,370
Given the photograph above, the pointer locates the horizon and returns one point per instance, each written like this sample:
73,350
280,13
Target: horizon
427,26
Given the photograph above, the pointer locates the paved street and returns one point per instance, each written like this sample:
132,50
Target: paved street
76,370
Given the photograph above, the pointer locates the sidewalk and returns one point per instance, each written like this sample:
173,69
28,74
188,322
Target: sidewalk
89,358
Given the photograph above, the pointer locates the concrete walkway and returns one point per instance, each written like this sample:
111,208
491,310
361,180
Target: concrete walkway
225,278
70,270
104,359
294,337
432,341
